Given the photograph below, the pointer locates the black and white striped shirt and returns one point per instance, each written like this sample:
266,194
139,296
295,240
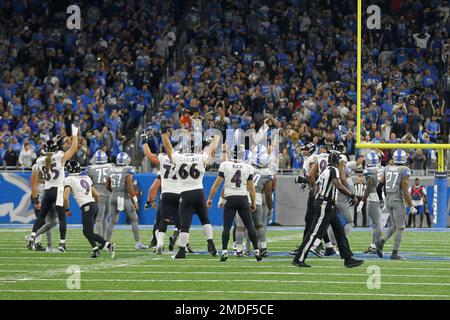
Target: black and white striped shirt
326,189
360,188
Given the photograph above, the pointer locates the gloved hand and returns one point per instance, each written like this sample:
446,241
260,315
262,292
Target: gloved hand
300,179
164,126
74,131
412,210
144,138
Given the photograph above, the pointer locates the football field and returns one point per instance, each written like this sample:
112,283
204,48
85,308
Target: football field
144,275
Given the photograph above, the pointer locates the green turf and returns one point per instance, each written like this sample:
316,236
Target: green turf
143,275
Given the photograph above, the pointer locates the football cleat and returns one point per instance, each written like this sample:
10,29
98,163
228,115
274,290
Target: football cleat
38,247
300,264
140,246
224,257
264,253
294,252
397,257
171,243
153,243
112,250
95,253
62,248
234,246
212,249
30,243
330,252
379,248
189,248
181,254
50,250
258,255
316,251
352,263
240,254
370,250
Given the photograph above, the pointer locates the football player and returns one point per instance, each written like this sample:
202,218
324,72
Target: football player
238,177
123,198
98,173
52,168
189,170
37,193
87,198
373,173
396,184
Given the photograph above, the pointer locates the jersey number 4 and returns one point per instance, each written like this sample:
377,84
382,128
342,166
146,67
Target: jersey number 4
237,180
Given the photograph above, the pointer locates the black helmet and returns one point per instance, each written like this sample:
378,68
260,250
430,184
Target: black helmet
73,167
50,146
333,159
338,146
310,148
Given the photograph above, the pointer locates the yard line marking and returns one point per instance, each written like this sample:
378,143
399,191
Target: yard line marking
235,292
97,270
108,264
249,280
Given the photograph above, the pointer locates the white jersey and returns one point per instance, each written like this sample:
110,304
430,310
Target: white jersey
190,169
322,162
236,175
308,163
169,180
54,177
81,186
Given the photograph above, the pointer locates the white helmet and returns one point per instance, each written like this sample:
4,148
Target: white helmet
123,159
399,156
99,157
372,159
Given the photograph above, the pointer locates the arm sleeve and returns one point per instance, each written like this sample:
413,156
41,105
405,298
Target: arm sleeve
380,190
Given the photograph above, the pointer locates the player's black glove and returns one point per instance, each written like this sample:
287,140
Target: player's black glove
144,138
302,182
164,126
147,205
300,179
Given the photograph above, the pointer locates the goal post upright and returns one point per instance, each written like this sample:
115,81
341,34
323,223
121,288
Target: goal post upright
440,180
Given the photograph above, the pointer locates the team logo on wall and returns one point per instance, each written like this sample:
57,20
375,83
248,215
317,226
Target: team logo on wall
15,199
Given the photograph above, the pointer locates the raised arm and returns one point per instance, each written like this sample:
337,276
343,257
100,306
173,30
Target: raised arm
150,155
213,145
73,147
167,145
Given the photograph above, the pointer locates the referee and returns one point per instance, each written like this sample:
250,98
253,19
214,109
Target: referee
326,213
360,188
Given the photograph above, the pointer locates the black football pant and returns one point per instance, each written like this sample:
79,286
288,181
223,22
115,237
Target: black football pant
239,204
88,214
309,217
325,215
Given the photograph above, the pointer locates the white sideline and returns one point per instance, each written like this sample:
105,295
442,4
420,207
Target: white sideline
237,292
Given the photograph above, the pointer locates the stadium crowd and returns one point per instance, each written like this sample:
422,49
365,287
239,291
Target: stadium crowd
295,63
100,77
290,63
